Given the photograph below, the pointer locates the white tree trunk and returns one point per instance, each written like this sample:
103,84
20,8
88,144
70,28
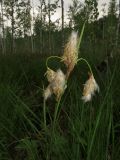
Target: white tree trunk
118,27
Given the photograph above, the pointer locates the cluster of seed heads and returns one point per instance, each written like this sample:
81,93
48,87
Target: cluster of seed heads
58,80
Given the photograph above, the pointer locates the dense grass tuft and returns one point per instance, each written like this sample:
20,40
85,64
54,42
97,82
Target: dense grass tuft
88,131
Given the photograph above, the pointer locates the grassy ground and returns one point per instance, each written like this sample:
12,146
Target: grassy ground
88,131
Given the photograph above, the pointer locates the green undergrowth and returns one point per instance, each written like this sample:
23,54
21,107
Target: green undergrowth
83,131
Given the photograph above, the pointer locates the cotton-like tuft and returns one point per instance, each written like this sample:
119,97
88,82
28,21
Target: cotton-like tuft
70,55
50,74
90,87
56,86
47,93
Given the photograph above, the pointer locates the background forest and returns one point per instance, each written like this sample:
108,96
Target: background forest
84,131
25,31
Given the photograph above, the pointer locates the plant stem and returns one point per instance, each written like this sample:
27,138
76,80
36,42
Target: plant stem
82,59
81,35
44,114
51,58
56,112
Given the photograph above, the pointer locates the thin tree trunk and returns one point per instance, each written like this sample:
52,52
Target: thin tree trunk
12,23
118,27
49,17
32,38
41,38
3,28
32,44
62,7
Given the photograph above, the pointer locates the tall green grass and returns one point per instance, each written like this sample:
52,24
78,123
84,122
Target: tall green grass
89,131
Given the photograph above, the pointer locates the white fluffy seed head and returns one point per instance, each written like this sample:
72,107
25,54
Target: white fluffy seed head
47,93
56,86
50,74
70,55
73,38
87,98
89,88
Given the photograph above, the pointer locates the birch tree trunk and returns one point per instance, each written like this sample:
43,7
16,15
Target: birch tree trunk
62,7
3,29
12,24
41,37
118,27
31,25
49,17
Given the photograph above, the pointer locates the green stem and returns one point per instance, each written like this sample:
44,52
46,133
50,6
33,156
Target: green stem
51,58
82,59
81,35
44,114
44,111
56,112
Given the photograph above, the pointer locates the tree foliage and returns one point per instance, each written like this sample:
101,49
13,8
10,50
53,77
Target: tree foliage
23,17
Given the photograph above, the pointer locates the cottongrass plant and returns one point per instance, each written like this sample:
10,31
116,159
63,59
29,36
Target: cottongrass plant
58,80
89,88
57,84
70,55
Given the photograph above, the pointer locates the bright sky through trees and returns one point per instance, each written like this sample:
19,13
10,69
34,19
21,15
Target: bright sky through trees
66,6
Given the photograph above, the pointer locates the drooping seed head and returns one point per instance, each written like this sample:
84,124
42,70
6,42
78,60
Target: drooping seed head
47,92
56,86
50,74
89,88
